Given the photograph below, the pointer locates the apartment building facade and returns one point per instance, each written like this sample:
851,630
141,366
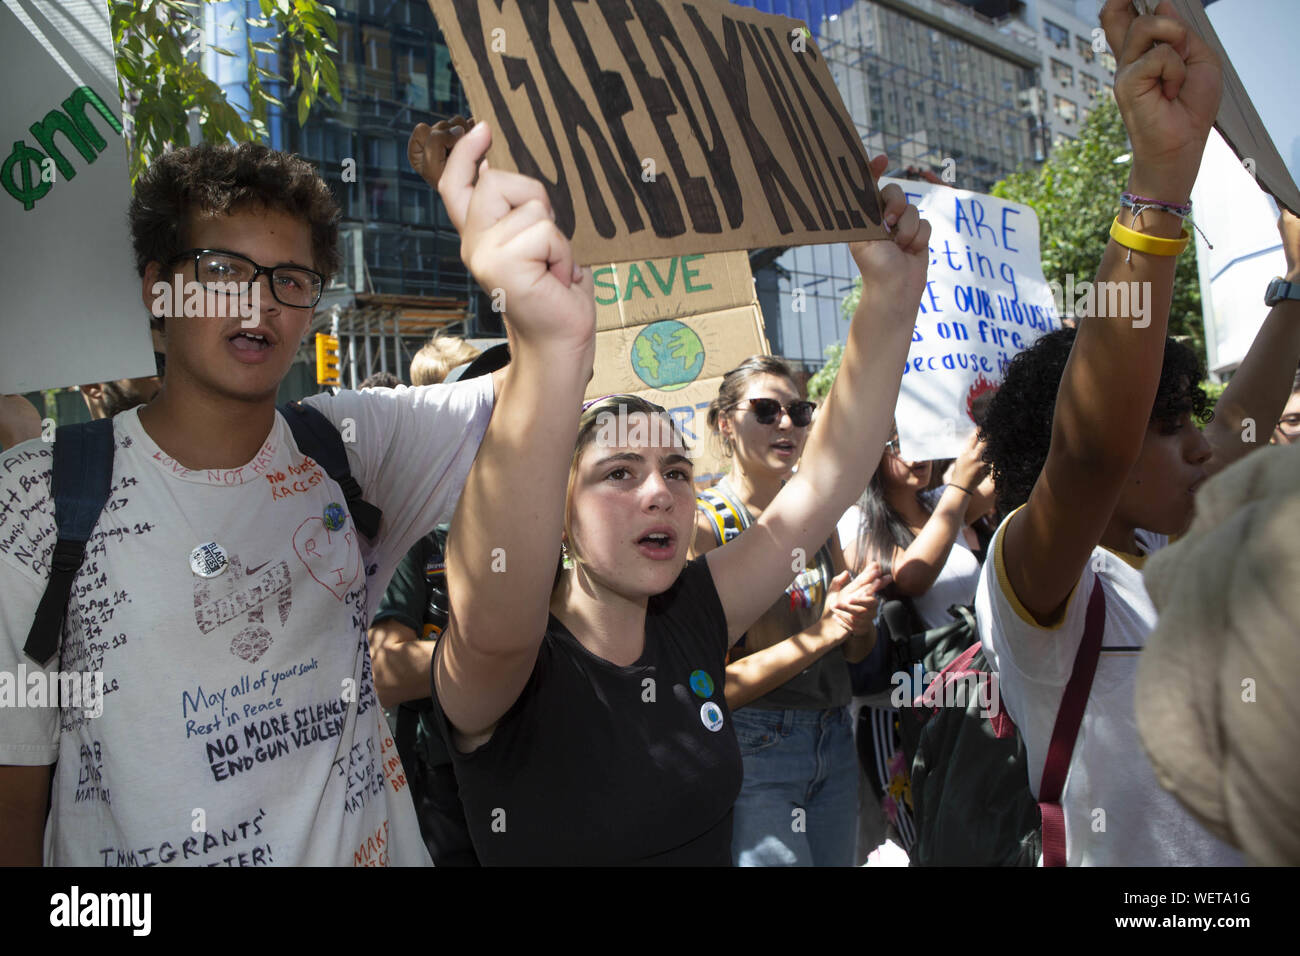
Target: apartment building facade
1077,66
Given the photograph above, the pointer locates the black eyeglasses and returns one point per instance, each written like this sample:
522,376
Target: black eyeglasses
218,269
160,362
768,410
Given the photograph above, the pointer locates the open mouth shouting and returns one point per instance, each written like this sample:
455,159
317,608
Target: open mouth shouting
658,544
251,346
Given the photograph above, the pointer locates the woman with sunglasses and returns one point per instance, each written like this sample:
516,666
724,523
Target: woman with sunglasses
787,682
584,709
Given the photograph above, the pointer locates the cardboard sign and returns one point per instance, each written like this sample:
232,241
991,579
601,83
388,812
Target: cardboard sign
667,354
633,293
664,127
1238,121
72,311
668,330
688,407
679,363
984,301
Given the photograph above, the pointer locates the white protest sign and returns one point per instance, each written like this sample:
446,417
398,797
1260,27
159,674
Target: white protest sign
73,312
985,300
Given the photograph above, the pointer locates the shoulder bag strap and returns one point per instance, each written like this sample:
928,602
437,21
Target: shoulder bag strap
1068,720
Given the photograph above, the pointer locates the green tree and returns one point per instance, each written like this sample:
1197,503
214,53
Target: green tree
1076,194
819,384
161,79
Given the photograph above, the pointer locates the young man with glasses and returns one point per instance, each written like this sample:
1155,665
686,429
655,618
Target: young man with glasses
225,594
1287,430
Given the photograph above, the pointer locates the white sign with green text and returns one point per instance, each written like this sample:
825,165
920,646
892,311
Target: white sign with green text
72,312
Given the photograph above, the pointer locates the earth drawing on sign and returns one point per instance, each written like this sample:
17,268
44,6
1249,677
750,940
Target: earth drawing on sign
667,355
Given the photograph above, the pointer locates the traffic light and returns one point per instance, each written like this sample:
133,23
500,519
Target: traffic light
327,360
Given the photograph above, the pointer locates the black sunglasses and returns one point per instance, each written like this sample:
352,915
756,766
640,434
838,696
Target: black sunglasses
768,410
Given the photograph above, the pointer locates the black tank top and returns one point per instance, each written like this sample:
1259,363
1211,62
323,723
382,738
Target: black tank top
597,764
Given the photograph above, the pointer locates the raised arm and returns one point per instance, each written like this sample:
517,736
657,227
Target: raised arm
850,435
504,544
1259,389
1167,87
917,568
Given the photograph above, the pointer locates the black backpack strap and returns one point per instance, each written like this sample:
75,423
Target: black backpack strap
320,440
79,483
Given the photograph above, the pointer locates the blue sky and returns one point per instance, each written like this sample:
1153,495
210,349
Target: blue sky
1261,38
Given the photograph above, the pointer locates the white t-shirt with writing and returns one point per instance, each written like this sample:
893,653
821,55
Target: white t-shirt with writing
1116,814
239,723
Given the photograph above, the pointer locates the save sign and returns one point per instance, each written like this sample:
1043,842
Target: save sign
984,301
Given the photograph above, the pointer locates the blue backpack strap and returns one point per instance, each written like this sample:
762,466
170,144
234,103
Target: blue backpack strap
79,483
320,440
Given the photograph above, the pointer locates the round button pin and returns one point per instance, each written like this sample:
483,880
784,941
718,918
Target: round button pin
334,516
702,684
208,560
711,715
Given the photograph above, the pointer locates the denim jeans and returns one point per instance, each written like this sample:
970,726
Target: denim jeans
798,805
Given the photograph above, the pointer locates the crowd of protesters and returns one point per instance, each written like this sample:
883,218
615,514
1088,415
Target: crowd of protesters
585,659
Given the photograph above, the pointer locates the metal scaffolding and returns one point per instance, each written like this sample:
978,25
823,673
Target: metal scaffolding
380,333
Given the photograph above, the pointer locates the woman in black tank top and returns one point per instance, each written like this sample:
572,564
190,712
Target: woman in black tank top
587,714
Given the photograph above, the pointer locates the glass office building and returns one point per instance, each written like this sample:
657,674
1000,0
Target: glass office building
402,277
925,81
395,72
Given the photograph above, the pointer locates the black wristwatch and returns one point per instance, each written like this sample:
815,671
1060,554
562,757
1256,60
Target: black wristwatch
1279,290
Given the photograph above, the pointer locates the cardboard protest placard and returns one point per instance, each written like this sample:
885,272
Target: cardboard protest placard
633,293
672,341
984,301
669,353
1238,121
73,312
661,127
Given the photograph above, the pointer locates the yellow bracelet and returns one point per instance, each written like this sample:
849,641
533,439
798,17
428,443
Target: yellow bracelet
1151,245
